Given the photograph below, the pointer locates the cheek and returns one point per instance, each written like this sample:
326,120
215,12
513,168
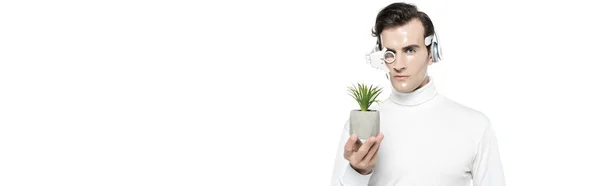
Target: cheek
417,63
389,66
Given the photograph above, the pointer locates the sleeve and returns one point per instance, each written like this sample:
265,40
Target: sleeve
487,166
343,173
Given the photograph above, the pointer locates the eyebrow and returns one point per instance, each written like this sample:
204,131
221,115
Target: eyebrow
404,48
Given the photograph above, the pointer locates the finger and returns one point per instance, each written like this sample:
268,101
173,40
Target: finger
372,151
349,147
374,159
362,151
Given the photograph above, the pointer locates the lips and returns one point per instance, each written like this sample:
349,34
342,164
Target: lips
401,77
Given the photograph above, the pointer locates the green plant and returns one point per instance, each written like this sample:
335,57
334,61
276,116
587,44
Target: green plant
364,95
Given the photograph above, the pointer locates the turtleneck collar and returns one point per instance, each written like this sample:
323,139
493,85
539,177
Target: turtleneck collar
416,97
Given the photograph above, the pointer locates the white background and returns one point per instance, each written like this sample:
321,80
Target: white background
253,92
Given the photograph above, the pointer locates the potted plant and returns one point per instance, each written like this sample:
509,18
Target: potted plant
364,122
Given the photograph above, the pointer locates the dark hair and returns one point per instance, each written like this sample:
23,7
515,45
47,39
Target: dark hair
398,14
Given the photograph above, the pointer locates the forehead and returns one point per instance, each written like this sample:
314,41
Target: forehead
408,34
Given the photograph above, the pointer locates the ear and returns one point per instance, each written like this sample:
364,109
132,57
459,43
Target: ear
430,61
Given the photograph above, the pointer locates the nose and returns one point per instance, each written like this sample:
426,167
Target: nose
399,64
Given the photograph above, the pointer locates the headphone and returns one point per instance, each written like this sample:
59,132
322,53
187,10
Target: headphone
376,57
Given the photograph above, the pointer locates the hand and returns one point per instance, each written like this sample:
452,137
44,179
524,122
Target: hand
362,157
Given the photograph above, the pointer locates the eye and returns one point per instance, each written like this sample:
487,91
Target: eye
410,50
389,56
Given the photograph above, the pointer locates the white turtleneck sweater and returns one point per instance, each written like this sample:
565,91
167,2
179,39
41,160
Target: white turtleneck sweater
429,140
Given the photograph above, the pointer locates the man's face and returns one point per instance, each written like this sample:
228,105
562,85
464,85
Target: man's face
409,69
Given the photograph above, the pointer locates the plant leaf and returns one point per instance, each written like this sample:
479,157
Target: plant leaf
365,95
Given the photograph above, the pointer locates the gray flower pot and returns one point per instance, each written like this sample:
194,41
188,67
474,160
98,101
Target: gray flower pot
364,123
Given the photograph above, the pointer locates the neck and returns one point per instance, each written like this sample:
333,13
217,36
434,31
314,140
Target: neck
425,92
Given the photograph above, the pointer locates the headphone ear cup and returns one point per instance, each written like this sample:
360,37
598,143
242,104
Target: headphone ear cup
435,52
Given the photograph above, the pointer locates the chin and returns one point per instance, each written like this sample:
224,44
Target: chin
404,87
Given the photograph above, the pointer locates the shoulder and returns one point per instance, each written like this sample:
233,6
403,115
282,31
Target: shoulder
466,114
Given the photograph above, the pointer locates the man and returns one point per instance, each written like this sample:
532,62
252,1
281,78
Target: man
429,139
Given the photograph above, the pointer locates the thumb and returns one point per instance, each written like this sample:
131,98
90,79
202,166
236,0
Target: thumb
351,143
357,142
